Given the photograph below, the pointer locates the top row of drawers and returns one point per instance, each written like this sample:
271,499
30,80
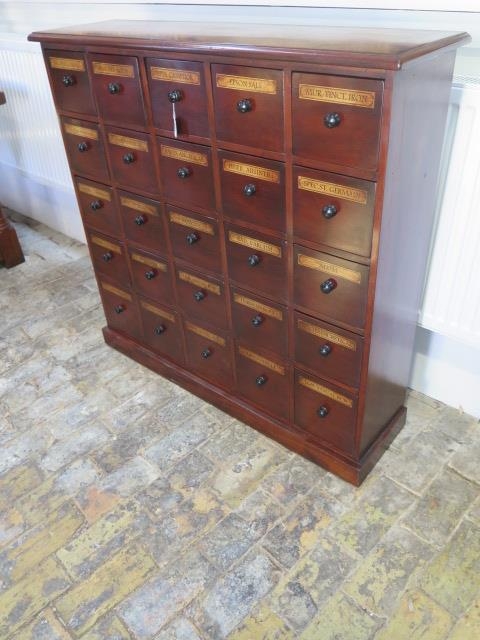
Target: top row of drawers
335,119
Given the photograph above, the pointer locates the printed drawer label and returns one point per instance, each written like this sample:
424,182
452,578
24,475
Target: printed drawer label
255,357
185,156
199,282
106,245
258,306
175,75
252,171
129,143
328,267
325,391
158,312
245,83
332,189
191,223
254,243
93,191
119,70
208,335
136,205
117,292
81,132
137,257
67,64
337,95
319,332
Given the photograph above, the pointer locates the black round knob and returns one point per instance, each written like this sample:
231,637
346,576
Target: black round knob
107,256
206,353
260,381
128,158
159,330
329,211
249,190
328,286
199,296
68,80
325,350
253,260
322,412
244,105
257,320
139,220
114,88
175,95
192,238
149,275
95,205
183,172
82,146
119,308
332,120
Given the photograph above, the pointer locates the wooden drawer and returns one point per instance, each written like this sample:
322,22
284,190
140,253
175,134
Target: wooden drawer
201,297
117,88
257,261
263,380
151,276
131,159
336,119
143,221
69,81
334,288
249,106
98,207
253,189
259,322
328,350
194,238
186,173
108,257
161,330
120,308
84,147
334,210
209,353
326,411
179,101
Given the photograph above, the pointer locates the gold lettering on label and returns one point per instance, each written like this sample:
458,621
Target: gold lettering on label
319,332
208,335
332,189
337,95
175,75
106,245
129,143
92,191
117,292
254,243
161,266
245,83
325,391
67,64
158,312
331,269
252,171
119,70
258,306
255,357
136,205
199,282
191,223
81,132
183,155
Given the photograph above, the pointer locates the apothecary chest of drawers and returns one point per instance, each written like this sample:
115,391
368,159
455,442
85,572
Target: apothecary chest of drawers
258,204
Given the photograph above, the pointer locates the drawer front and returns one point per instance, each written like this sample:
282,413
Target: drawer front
249,106
161,330
263,380
330,286
151,276
259,322
209,353
131,159
69,80
328,350
253,189
116,83
98,207
143,221
201,297
186,172
194,238
84,147
120,309
326,411
178,97
257,261
108,257
337,119
333,210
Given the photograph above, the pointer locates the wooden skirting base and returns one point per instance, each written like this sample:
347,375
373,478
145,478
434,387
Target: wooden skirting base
11,252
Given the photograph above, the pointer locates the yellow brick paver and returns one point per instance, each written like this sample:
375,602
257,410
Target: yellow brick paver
16,482
264,624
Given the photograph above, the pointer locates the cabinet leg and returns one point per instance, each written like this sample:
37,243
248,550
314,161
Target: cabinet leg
11,252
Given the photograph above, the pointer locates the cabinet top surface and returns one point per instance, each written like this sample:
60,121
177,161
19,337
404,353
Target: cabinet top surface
365,47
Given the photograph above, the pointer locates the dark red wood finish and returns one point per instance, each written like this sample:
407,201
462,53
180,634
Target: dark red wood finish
194,238
143,221
209,352
151,276
120,306
84,147
97,206
131,159
161,330
108,257
70,81
201,297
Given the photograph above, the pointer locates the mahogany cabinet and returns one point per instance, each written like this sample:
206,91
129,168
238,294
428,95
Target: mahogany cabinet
259,206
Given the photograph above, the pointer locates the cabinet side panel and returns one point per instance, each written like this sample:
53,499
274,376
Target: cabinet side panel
419,110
